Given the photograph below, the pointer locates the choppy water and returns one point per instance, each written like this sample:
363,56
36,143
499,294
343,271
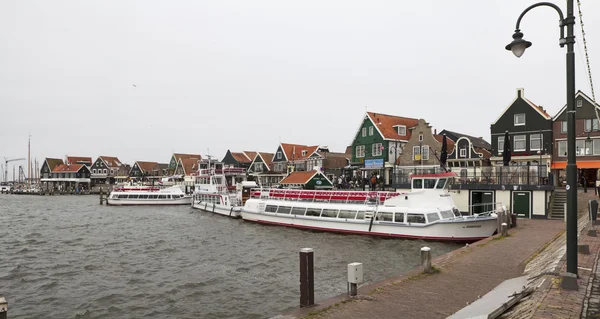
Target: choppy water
68,257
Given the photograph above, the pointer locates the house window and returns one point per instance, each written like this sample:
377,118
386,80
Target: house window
371,131
535,142
304,153
562,148
463,152
258,167
591,125
278,155
105,171
416,153
579,103
95,171
596,146
377,149
360,151
500,144
563,126
520,143
364,131
519,119
401,129
112,171
425,152
583,147
420,137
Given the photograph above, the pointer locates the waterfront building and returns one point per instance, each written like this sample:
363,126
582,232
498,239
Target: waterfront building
587,143
379,141
174,161
262,170
311,179
147,171
49,165
332,164
67,177
292,157
238,159
70,160
466,152
105,169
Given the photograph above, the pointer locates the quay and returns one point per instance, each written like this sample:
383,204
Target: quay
534,248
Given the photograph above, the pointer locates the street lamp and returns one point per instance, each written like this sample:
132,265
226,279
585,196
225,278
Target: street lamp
518,46
393,163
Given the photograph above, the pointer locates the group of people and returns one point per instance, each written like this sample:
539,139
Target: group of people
358,182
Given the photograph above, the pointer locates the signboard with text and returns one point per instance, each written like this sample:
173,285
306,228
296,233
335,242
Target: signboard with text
374,163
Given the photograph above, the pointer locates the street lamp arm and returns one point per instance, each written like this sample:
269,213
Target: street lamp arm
548,4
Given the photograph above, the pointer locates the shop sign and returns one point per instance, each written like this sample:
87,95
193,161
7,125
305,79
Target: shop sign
374,163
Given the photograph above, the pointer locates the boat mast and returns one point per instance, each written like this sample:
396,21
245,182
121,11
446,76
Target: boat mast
29,162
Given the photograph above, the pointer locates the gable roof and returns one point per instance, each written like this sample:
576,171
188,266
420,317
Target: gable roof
78,160
294,152
148,166
241,157
189,165
111,161
53,162
267,159
385,125
299,177
521,94
64,168
578,94
179,156
477,141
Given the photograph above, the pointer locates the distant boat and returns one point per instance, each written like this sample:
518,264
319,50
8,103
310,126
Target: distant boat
167,196
211,193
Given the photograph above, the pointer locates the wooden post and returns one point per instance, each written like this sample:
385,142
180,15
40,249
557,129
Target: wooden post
307,277
426,259
101,193
3,308
504,228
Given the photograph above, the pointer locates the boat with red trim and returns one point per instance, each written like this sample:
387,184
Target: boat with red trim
426,212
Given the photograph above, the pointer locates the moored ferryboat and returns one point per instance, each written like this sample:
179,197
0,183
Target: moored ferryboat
211,193
426,212
167,196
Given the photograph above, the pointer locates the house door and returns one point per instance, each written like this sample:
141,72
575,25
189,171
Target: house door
482,201
522,204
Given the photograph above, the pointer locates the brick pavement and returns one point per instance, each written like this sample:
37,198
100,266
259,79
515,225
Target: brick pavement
465,274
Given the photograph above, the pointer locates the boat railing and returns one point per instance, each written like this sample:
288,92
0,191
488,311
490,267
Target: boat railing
484,208
346,197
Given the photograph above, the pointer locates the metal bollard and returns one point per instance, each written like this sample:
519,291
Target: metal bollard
504,228
307,277
426,259
355,277
3,308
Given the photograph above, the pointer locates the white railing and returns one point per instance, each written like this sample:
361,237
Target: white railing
347,197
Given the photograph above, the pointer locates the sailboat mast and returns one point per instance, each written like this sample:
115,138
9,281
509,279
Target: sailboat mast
29,162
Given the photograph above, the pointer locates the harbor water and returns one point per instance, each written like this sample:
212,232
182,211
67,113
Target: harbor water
68,257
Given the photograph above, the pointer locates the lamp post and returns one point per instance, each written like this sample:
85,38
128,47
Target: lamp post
518,46
393,163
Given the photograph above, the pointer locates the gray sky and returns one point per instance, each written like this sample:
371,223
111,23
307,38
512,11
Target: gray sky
243,75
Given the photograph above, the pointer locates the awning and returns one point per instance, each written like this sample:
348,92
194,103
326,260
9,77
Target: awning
580,164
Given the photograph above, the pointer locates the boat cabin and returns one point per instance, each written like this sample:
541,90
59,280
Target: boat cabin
439,181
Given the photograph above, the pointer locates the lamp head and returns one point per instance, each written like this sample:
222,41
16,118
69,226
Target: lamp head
518,45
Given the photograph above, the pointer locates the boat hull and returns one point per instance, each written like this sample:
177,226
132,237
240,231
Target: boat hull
153,202
224,210
468,229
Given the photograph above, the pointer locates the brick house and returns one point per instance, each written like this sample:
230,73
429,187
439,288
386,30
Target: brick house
423,148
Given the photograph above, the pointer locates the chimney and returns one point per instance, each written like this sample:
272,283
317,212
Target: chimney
435,131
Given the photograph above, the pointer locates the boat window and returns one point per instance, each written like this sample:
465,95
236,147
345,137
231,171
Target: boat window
329,213
153,196
430,183
441,183
386,217
298,210
162,196
399,217
349,214
417,183
447,214
415,218
360,215
143,196
284,210
313,212
271,209
168,196
432,217
133,196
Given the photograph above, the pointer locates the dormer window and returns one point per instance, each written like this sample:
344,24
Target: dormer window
463,152
278,155
371,131
519,119
304,153
401,130
579,103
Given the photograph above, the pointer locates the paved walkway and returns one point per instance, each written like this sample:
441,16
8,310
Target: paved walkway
465,275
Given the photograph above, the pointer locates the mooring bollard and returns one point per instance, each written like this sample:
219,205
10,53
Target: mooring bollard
3,308
504,227
426,259
307,277
355,277
101,193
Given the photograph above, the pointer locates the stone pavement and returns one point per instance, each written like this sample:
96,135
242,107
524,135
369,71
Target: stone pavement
465,274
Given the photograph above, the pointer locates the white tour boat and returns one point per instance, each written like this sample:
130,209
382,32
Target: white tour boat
211,194
426,212
166,196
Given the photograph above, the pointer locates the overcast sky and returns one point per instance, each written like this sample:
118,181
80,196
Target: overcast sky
245,75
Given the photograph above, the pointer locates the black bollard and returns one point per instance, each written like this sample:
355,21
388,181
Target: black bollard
307,277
